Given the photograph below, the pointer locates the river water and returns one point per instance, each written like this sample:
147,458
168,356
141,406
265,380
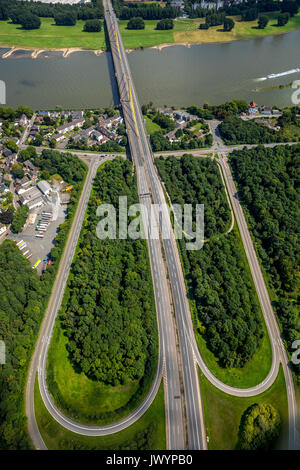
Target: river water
176,75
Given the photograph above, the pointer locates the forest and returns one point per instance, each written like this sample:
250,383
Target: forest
234,130
23,299
268,185
16,10
109,317
219,284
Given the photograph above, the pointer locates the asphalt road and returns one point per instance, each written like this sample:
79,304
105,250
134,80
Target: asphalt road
149,184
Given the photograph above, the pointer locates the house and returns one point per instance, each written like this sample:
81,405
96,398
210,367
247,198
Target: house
44,187
69,126
23,121
43,113
171,136
6,153
100,138
265,110
2,229
77,114
29,166
3,188
25,181
253,108
59,137
182,116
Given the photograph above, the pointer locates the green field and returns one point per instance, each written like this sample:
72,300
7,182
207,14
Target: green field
74,391
131,438
50,36
223,412
151,126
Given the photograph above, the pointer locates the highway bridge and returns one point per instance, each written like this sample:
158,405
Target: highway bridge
184,407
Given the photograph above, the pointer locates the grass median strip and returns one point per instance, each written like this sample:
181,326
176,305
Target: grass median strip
148,433
223,412
103,355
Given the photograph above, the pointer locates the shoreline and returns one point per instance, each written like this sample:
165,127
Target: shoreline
34,53
66,52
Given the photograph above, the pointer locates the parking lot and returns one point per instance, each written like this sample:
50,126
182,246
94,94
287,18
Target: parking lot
40,248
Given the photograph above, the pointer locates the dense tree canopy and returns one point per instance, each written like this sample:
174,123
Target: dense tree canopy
259,428
228,315
92,26
136,23
166,23
268,181
110,317
21,309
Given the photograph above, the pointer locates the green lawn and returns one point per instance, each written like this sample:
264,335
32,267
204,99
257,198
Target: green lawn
133,437
50,36
223,412
79,396
151,126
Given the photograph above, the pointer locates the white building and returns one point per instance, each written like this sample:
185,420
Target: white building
44,187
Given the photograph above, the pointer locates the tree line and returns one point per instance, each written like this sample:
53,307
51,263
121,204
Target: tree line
268,183
126,11
23,299
28,13
227,312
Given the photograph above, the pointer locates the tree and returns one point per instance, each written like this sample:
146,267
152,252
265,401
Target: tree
290,6
136,23
92,26
165,23
283,19
6,217
30,21
263,20
259,428
22,109
228,24
11,145
17,171
20,217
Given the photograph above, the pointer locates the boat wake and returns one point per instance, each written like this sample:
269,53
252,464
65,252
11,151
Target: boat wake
275,75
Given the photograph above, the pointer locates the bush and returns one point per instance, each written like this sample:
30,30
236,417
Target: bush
166,23
228,24
136,23
263,20
92,26
29,21
283,19
259,428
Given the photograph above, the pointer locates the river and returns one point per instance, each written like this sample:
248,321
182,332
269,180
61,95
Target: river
176,75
